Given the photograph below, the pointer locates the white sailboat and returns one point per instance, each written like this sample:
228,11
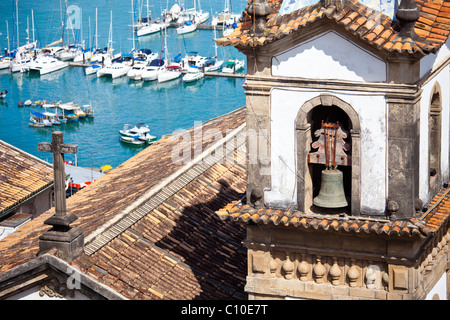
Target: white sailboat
226,17
149,27
187,27
170,72
199,15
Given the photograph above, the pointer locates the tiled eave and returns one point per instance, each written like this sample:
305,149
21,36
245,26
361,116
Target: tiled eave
371,26
436,217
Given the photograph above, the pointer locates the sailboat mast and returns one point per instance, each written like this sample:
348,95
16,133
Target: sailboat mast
132,23
28,30
7,36
17,21
96,35
32,24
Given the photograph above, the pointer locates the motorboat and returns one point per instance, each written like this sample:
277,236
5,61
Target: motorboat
232,65
53,117
152,70
3,94
88,109
69,111
47,64
5,62
170,73
39,120
129,130
142,60
92,69
135,73
193,74
118,68
139,139
188,26
192,58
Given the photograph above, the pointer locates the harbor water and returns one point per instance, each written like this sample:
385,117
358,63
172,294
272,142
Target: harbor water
165,107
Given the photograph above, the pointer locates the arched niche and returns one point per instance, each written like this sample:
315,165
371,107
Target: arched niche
434,140
305,174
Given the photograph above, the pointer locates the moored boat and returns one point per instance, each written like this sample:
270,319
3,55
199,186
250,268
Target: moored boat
232,65
193,74
3,93
170,73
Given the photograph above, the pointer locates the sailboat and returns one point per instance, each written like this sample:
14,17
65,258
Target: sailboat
171,72
23,55
107,58
226,17
149,27
199,15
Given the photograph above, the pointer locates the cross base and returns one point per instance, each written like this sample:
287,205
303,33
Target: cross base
67,240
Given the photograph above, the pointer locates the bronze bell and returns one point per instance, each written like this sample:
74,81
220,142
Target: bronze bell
331,194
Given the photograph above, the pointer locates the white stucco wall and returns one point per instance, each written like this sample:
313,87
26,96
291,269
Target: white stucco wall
439,290
371,108
443,78
433,61
329,56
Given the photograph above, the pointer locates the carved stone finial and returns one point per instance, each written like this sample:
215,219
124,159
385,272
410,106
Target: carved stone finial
407,14
392,208
259,10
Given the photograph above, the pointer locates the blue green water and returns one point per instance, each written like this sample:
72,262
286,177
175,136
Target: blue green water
165,107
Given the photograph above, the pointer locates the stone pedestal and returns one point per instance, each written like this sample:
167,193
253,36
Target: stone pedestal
67,240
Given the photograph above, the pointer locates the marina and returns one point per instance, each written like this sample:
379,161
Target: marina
165,106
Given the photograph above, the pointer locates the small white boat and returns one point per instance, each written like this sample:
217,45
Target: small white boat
193,74
233,65
3,94
152,70
39,120
5,62
188,26
68,52
170,73
83,56
212,64
118,68
93,68
129,130
88,109
139,139
46,64
226,17
150,29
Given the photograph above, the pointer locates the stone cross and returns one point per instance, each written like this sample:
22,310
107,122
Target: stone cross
69,241
58,148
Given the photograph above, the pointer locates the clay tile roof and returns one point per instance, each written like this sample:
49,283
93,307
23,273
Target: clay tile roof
21,176
150,226
437,216
375,28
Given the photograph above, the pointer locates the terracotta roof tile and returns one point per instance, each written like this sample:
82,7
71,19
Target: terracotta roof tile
373,27
179,238
21,175
437,216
